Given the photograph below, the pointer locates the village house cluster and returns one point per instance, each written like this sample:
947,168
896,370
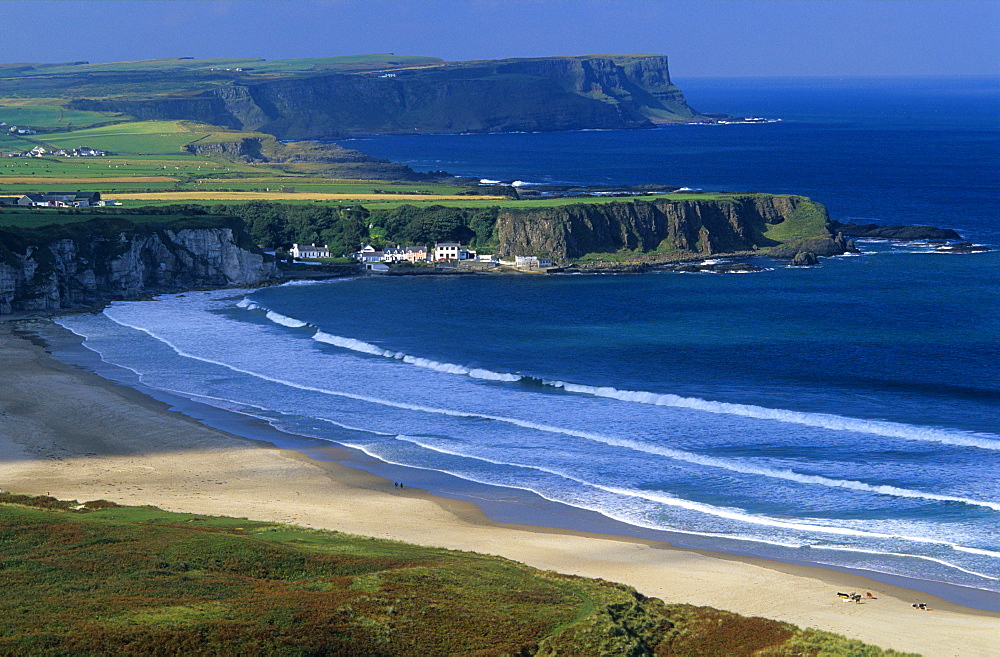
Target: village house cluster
391,254
379,259
56,200
41,151
443,252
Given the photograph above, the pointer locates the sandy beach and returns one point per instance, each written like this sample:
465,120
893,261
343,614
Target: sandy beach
73,435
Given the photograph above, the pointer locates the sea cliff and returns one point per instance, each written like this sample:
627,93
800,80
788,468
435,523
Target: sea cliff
102,259
781,226
553,93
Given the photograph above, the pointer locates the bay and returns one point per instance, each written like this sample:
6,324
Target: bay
843,415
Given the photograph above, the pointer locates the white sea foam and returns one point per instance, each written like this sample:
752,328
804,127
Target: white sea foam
732,465
625,513
948,564
729,513
367,348
819,420
290,322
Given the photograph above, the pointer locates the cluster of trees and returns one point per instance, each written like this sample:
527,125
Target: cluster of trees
345,229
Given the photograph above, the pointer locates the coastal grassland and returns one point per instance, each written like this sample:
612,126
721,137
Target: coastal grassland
139,137
99,578
50,116
386,196
251,65
806,221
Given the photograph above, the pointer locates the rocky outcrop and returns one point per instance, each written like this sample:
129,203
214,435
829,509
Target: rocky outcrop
554,93
669,228
115,259
804,259
876,231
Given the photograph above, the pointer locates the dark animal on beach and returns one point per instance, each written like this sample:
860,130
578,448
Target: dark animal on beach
844,596
856,597
868,594
920,605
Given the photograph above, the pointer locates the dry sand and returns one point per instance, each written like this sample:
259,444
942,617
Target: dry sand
70,434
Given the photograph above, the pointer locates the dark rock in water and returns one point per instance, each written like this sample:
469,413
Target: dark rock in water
962,247
737,267
722,267
852,247
804,259
875,231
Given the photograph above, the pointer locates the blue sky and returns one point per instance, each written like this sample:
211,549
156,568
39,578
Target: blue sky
701,37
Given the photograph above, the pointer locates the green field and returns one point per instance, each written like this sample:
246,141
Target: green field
143,138
250,66
51,116
102,579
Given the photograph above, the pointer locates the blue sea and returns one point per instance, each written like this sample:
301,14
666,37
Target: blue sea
845,415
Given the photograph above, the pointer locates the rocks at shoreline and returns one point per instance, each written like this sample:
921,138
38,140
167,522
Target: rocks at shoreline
961,247
803,259
905,233
718,268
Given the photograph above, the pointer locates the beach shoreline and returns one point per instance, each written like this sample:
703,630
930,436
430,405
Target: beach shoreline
67,432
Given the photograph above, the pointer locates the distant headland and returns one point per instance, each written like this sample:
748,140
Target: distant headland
337,97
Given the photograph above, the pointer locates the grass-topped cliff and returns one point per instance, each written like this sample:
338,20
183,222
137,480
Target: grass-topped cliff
336,97
99,578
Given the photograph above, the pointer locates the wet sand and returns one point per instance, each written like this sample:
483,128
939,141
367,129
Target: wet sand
71,434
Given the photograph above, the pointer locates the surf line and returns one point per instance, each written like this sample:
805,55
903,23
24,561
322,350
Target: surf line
819,420
670,500
664,499
671,453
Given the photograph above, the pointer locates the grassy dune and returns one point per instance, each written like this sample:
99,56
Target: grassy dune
98,579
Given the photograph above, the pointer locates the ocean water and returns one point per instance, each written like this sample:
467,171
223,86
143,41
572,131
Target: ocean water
845,415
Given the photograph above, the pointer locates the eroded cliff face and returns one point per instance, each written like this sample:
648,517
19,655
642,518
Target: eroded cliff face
556,93
695,227
78,271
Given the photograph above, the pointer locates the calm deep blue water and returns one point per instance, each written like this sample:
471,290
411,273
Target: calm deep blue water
847,414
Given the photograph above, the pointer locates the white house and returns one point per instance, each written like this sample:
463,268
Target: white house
531,262
311,251
403,254
452,251
446,250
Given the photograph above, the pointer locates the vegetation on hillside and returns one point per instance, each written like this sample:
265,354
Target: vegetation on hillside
98,578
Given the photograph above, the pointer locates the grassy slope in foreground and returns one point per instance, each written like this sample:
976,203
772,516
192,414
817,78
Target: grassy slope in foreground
102,578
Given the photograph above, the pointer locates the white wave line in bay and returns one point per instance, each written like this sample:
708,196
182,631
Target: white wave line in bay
728,513
819,420
360,346
839,548
676,454
577,505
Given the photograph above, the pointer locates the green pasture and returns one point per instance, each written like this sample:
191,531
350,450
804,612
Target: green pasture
321,186
472,202
9,142
142,137
51,116
251,66
807,221
29,174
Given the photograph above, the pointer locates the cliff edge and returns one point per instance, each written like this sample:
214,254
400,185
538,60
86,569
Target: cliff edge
90,262
537,94
779,226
